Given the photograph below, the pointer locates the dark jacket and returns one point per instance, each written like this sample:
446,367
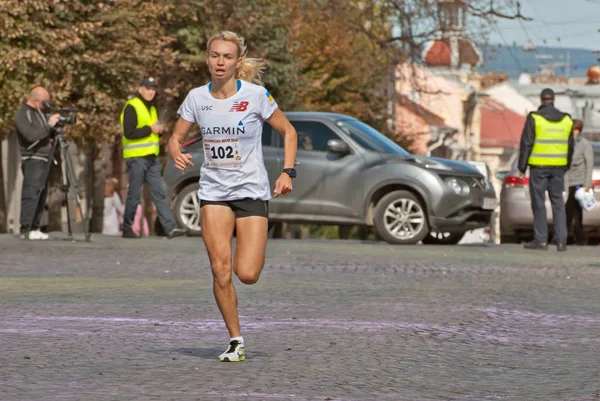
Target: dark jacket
130,129
33,132
551,113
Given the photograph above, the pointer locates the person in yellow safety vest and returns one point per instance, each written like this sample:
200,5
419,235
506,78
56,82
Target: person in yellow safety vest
547,148
141,129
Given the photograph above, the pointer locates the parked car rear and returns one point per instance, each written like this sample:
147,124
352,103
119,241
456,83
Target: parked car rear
351,174
516,216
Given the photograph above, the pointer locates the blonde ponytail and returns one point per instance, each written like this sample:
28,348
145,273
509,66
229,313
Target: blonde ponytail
251,68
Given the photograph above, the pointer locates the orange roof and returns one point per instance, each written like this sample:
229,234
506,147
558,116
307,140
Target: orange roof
437,53
500,126
428,116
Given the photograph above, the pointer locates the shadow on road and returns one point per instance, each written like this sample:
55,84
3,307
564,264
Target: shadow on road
204,353
211,353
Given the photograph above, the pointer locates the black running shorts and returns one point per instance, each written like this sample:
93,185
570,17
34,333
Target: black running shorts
243,207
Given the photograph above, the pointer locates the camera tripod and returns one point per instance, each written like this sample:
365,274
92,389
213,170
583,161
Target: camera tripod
69,181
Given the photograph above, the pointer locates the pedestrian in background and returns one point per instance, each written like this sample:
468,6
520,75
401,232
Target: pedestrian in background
141,129
547,148
113,208
34,135
140,225
579,175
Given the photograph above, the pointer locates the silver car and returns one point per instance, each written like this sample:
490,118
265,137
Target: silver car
351,174
516,216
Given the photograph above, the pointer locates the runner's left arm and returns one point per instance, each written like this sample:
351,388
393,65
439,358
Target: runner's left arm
290,138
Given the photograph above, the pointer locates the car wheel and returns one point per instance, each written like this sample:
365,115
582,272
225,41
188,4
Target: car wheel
187,209
435,238
400,218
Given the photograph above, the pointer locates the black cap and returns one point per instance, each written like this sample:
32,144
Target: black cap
149,82
547,94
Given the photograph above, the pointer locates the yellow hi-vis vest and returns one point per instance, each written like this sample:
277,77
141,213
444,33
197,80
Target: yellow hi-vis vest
143,146
551,145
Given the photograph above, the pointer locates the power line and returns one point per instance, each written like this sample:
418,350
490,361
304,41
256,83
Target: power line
540,25
543,21
509,48
588,18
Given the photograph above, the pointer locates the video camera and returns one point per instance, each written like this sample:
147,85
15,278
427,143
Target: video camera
66,115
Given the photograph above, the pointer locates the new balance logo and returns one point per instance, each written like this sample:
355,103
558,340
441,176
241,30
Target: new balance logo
239,106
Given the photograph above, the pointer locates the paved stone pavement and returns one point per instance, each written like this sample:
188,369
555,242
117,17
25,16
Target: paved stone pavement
329,320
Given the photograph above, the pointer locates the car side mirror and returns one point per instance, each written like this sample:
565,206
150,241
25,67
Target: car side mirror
501,175
338,146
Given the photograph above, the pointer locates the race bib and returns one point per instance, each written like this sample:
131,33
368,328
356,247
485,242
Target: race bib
222,153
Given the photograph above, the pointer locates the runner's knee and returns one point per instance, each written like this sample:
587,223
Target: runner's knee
222,274
248,277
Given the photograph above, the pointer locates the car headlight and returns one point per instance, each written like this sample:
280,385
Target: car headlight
458,186
431,164
437,166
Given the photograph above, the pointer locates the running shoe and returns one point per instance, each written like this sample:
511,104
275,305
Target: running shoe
234,353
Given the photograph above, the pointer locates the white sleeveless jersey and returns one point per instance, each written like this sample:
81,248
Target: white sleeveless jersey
233,166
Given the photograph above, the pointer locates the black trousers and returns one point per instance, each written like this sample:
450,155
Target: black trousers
551,179
575,216
33,184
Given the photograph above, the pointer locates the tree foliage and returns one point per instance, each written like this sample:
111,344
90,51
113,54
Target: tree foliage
89,55
265,27
322,55
343,69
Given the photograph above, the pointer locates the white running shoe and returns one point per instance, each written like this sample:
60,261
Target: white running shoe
234,353
37,235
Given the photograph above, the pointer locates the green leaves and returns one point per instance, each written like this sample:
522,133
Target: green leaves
93,54
90,55
343,70
263,23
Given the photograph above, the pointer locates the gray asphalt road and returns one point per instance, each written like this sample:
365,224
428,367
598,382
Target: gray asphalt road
328,320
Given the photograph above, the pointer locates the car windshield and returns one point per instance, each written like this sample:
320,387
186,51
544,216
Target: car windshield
369,138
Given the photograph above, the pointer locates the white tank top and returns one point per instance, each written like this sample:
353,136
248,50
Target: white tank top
233,166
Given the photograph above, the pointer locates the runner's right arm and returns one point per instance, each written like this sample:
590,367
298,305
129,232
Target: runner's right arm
182,160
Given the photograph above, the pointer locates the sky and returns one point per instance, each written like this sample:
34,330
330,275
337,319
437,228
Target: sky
562,23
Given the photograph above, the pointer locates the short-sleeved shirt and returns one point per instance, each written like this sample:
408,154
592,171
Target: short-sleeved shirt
231,129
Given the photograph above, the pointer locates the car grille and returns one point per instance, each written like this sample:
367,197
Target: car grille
475,214
475,182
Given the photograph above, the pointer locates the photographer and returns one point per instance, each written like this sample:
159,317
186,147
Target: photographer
34,134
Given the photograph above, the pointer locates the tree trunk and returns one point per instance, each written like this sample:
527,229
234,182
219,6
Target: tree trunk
3,205
56,196
363,233
119,171
286,231
304,232
344,231
278,230
99,166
